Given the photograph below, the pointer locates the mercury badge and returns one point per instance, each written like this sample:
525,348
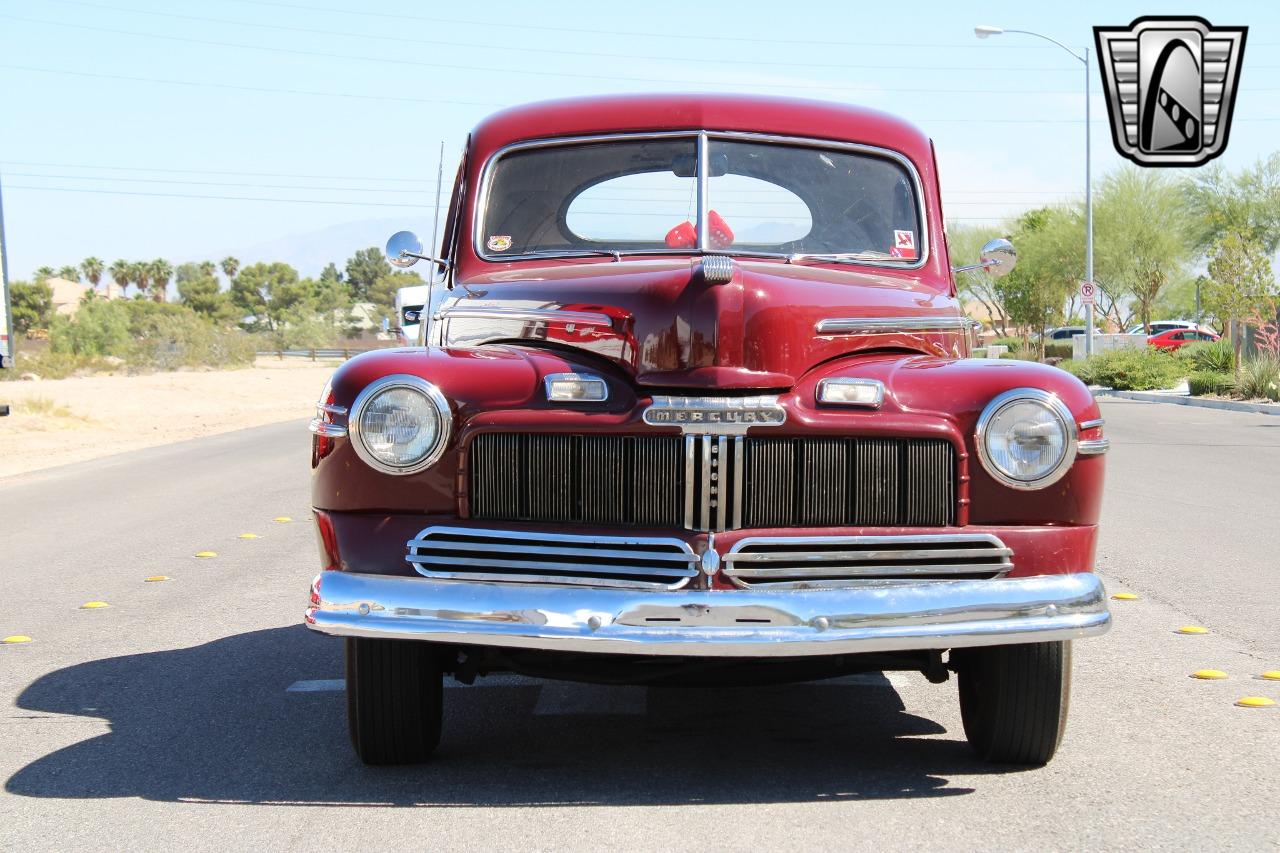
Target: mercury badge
1171,85
715,415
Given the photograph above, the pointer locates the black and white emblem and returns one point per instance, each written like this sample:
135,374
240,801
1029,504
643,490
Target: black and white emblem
1170,85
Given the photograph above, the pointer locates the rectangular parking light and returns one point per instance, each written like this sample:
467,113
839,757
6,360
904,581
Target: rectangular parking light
842,391
576,388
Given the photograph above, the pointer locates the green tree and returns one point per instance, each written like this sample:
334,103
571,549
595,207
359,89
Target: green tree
273,295
92,269
1245,203
69,273
121,273
199,289
331,273
140,275
230,266
43,273
383,291
30,305
1144,236
364,269
1240,282
159,271
1050,246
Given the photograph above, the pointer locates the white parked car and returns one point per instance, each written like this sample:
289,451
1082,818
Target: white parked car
1161,326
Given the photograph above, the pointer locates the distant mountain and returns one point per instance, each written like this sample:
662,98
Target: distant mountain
308,253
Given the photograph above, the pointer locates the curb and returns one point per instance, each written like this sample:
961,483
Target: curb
1194,402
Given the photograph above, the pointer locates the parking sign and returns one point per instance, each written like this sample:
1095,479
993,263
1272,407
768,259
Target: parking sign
1087,292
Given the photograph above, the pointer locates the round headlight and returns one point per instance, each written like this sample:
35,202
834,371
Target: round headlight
400,424
1026,438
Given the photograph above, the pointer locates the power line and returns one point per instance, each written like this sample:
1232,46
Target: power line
260,89
430,181
552,51
217,183
216,197
523,71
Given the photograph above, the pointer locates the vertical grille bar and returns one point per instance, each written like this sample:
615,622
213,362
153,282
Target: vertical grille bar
690,482
738,453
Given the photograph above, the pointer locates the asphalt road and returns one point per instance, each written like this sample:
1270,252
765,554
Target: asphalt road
167,720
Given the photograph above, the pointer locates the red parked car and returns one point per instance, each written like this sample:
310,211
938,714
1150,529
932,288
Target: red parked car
697,408
1178,338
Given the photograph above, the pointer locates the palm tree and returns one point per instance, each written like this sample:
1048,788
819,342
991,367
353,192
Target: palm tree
43,273
69,273
92,269
208,268
161,271
121,273
230,266
140,275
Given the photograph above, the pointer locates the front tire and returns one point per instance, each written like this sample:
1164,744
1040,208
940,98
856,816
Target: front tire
1014,699
394,700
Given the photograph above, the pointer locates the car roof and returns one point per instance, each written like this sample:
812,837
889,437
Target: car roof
671,112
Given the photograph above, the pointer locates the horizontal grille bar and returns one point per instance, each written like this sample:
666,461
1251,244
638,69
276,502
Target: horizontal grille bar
811,562
529,557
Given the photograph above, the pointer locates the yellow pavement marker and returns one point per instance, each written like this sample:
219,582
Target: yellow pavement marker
1271,675
282,519
1255,702
1192,629
1209,674
248,536
157,579
15,640
1125,596
206,553
94,605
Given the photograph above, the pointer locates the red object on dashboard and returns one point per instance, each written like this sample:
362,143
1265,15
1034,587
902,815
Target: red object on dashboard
685,235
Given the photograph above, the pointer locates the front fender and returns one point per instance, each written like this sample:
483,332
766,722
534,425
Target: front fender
956,391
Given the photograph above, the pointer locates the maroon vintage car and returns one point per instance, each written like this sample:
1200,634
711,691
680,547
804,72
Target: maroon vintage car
695,406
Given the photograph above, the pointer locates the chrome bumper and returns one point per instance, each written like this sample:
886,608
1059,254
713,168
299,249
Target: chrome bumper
696,623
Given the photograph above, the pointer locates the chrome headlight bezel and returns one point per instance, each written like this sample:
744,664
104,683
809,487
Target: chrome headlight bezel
1054,405
430,393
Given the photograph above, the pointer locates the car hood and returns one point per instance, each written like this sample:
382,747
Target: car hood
669,323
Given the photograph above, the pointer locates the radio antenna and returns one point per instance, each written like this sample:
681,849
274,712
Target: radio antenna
429,308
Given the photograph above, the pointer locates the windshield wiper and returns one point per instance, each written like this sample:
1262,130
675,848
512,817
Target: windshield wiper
841,257
570,253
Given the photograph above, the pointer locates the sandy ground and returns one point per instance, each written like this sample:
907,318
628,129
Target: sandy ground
59,421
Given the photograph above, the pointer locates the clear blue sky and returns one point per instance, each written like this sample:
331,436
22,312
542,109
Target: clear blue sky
338,107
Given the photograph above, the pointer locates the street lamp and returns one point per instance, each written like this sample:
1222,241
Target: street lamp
984,31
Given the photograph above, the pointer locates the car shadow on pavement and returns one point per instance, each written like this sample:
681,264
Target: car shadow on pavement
214,723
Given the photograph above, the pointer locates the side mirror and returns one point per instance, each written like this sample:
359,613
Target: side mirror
998,257
404,248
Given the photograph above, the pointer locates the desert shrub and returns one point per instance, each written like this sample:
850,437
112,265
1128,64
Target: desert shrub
1211,382
147,335
100,327
1259,377
1058,349
1216,356
1011,343
1129,369
53,365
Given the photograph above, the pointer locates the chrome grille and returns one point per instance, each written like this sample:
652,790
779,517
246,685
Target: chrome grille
517,556
809,562
714,482
588,479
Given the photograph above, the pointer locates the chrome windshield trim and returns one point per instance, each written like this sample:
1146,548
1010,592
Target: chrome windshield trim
886,325
701,137
1093,446
924,614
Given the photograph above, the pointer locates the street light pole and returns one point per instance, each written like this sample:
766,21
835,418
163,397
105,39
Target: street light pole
984,31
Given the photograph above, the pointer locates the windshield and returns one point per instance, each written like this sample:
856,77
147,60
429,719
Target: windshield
642,195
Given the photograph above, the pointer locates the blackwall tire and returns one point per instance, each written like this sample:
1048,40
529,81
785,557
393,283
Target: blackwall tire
1014,700
394,700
